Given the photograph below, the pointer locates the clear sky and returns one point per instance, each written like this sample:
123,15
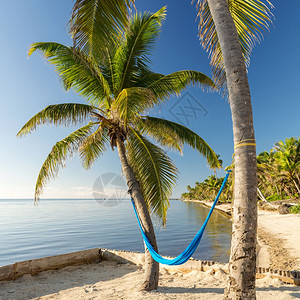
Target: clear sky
28,85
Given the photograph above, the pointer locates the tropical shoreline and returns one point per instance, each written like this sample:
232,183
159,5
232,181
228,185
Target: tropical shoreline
119,275
278,241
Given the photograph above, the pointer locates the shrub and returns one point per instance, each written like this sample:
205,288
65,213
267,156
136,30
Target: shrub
274,197
295,209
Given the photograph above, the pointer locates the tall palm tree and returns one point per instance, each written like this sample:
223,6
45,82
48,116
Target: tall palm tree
119,89
228,30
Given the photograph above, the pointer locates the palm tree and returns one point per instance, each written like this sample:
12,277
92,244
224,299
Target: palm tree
119,90
228,30
213,185
207,189
269,179
287,156
279,169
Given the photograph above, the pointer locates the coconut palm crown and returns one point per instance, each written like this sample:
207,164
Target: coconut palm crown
119,90
251,19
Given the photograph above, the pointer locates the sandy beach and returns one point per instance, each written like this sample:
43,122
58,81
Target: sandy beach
279,247
110,280
281,233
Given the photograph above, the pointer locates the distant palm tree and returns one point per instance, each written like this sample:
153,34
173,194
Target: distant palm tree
120,88
266,173
287,157
279,170
212,185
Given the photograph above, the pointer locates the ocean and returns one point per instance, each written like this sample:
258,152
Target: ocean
60,226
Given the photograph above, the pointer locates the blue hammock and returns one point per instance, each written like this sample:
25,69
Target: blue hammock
189,251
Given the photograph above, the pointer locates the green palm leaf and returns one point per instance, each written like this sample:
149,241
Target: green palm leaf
59,153
96,23
251,18
58,114
133,51
174,135
155,172
76,70
133,101
93,146
175,82
146,77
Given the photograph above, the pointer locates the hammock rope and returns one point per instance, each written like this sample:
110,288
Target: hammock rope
191,248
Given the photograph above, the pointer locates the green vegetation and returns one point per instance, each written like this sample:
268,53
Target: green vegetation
278,175
295,209
279,170
208,189
274,197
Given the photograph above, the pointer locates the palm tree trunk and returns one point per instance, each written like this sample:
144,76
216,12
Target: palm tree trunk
277,190
296,185
241,283
151,266
297,176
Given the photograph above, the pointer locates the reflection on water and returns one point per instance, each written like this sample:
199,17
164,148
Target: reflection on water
217,232
185,219
60,226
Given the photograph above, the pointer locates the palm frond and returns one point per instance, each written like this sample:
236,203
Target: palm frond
59,153
76,70
133,51
175,82
93,146
133,101
164,135
58,114
251,18
174,135
108,69
146,77
96,23
155,172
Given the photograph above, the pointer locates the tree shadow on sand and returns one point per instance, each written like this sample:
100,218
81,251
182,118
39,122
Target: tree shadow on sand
191,290
290,290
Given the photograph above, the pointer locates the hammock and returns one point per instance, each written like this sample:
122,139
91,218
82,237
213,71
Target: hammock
189,251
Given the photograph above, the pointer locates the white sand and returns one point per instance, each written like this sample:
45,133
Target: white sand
285,228
109,280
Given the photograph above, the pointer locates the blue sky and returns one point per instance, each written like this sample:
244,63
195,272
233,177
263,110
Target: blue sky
28,85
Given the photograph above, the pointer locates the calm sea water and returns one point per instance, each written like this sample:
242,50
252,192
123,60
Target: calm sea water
61,226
